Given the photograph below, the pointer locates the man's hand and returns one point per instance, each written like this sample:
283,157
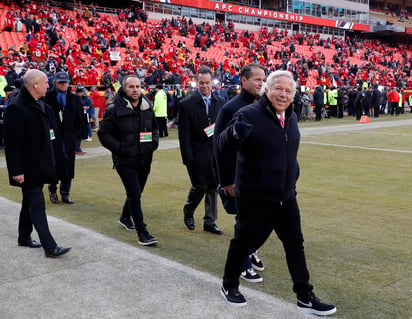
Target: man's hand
19,178
241,130
230,190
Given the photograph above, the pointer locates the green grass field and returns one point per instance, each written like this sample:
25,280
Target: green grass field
354,195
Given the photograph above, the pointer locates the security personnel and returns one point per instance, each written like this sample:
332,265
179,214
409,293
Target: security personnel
333,101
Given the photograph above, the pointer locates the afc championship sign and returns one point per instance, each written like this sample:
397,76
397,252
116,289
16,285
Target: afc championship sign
267,14
236,9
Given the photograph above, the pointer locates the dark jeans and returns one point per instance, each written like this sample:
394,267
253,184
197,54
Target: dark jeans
65,187
33,212
254,217
133,181
194,198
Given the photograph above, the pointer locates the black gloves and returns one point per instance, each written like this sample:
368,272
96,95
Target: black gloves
241,130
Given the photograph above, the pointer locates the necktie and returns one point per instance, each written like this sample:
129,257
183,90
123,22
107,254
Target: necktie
282,121
207,103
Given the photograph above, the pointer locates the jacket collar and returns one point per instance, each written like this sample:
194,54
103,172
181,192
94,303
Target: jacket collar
124,105
264,101
31,101
247,96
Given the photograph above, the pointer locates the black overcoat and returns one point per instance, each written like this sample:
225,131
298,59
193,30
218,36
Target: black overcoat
71,124
195,146
31,147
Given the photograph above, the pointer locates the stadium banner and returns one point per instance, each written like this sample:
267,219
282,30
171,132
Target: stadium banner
268,14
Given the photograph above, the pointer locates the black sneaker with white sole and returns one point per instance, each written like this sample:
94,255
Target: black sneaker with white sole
233,297
249,275
127,224
313,305
257,264
146,239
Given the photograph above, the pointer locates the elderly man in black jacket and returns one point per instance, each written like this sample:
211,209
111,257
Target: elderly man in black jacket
266,137
129,130
71,123
197,116
34,156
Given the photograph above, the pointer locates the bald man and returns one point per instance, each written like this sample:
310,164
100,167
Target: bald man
33,154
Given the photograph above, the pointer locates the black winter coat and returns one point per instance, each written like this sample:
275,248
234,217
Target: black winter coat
267,166
318,97
121,132
71,128
196,147
31,147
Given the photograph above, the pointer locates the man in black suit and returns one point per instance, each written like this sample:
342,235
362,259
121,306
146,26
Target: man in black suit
69,116
197,116
33,155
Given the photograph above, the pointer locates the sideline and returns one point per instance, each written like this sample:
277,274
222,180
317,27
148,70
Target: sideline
105,278
360,147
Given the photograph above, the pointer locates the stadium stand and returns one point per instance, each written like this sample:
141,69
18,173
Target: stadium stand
161,46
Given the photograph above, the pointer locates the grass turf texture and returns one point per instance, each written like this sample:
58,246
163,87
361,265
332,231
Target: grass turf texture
355,207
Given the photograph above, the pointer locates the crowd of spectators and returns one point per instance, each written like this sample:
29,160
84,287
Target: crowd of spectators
170,51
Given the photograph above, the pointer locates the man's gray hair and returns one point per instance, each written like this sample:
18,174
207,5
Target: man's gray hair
274,75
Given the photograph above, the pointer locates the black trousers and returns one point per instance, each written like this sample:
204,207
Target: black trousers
133,180
254,217
33,212
258,242
65,187
162,122
195,196
318,113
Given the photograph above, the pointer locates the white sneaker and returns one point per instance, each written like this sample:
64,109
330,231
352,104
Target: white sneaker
250,276
256,262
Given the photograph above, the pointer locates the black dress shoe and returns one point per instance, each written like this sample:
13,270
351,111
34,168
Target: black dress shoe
30,243
212,228
53,198
67,200
56,251
190,223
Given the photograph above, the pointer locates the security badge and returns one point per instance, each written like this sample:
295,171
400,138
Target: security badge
209,130
52,136
145,137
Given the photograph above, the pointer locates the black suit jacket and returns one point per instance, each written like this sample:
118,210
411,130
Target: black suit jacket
196,147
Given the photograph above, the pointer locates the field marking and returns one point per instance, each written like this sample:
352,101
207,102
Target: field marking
360,147
384,133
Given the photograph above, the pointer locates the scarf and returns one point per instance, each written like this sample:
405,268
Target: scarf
61,98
